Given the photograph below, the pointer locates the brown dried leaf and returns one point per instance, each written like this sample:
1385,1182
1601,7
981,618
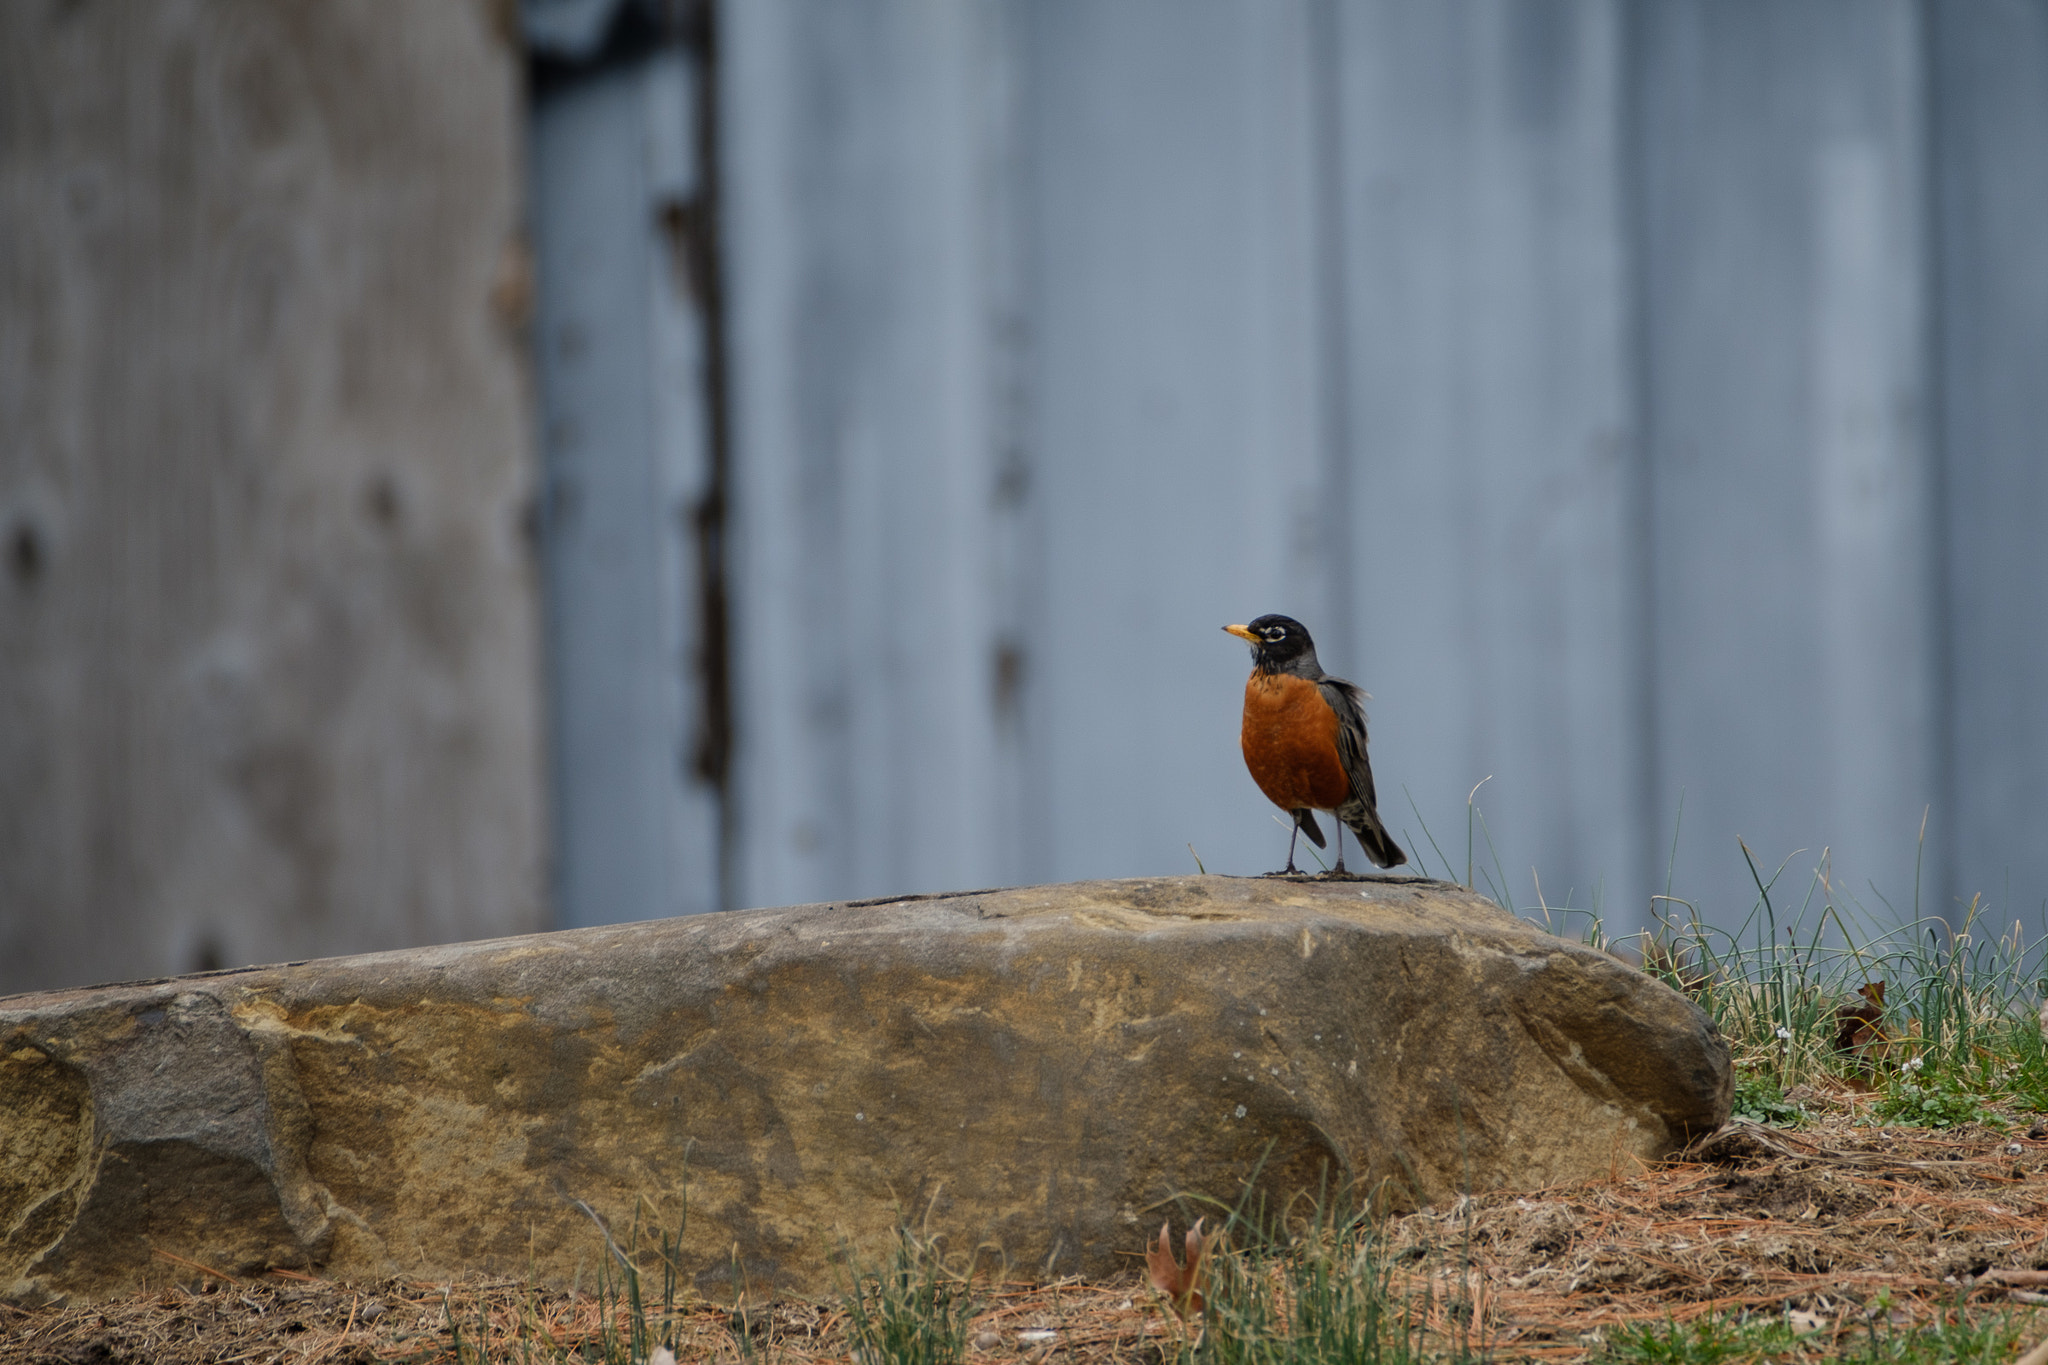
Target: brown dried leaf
1859,1028
1182,1284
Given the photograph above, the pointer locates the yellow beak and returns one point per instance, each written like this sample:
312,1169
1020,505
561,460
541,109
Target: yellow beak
1243,633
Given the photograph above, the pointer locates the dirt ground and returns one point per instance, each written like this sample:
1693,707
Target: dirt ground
1834,1225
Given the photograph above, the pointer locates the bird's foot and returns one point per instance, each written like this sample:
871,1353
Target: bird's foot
1338,872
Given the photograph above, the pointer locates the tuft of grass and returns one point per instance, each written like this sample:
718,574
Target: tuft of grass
1325,1300
2026,1077
1958,1018
911,1311
621,1296
634,1326
1705,1340
1792,984
1314,1285
1712,1339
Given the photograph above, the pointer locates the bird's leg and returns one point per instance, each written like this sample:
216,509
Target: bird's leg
1292,835
1339,869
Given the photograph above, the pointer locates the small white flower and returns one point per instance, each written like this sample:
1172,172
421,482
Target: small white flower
1785,1033
1916,1064
1240,1111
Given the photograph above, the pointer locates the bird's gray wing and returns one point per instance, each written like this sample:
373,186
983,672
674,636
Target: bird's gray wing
1349,704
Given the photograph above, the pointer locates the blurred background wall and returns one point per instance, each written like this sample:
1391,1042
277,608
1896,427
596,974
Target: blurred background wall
1641,400
268,637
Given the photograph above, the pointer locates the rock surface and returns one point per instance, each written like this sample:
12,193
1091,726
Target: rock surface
1037,1069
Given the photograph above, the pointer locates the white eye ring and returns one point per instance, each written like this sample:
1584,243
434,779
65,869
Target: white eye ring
1274,634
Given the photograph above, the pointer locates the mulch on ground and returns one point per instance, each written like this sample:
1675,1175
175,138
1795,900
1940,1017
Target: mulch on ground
1831,1225
1835,1225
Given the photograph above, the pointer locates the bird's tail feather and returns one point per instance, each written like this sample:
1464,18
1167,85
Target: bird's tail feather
1307,820
1377,843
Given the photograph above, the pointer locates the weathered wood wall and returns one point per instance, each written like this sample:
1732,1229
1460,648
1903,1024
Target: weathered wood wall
1636,398
268,647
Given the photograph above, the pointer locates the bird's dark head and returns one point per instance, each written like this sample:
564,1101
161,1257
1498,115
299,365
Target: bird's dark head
1280,644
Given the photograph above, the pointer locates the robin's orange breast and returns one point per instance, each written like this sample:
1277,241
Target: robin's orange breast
1290,743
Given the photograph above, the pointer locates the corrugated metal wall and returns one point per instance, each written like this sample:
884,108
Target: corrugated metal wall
1638,399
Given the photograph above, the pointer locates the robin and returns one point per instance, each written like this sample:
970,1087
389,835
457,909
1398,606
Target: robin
1304,741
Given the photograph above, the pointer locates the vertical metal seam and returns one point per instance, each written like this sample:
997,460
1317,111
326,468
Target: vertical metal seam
709,518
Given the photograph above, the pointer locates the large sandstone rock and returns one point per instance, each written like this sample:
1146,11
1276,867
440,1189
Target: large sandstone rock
1037,1069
